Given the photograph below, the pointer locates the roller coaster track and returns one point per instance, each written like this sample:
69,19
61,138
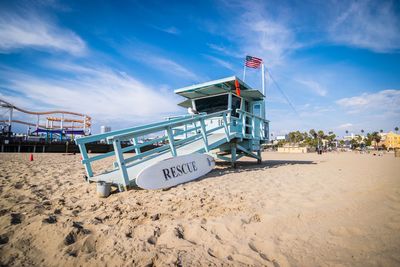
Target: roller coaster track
83,123
6,104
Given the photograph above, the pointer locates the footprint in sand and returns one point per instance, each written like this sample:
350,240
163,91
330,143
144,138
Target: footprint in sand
153,239
262,255
89,245
179,232
51,219
16,218
18,185
70,238
4,212
4,239
346,231
253,219
267,251
79,240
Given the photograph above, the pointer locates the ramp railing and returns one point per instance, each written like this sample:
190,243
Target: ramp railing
82,141
194,124
258,126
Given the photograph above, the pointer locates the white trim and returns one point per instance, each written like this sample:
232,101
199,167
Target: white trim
196,86
210,83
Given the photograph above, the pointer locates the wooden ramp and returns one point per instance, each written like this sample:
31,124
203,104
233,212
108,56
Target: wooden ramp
133,169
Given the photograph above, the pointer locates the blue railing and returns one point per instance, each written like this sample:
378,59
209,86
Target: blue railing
194,124
256,129
192,127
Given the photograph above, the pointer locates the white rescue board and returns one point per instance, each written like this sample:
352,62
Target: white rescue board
174,171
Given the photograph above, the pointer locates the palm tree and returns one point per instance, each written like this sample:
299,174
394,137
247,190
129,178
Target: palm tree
331,138
376,137
381,131
362,133
341,142
313,133
347,131
396,129
354,143
369,139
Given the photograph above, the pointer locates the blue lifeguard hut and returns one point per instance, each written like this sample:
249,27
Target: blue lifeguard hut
245,117
226,121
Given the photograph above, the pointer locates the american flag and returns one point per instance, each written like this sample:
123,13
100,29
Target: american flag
253,62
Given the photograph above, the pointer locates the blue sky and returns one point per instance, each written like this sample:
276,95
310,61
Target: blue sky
119,61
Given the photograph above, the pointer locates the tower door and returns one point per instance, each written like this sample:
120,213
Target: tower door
256,110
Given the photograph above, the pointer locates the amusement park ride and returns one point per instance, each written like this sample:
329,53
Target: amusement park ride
56,124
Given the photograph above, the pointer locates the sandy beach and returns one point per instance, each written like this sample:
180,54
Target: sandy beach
337,209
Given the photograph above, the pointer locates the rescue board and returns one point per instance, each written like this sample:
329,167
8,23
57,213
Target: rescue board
174,171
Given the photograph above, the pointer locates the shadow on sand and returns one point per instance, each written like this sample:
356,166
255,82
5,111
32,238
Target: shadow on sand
246,166
243,166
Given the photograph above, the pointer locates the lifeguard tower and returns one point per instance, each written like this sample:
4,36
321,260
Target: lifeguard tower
230,124
246,116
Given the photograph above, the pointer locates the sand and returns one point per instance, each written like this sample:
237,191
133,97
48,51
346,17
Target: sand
338,209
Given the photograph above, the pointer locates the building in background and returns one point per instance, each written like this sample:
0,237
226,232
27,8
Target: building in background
295,149
104,129
361,139
282,137
392,140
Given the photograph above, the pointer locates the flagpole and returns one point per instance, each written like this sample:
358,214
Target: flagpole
263,88
244,71
263,78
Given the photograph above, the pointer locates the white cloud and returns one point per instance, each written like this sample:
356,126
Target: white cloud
313,111
166,65
387,101
104,94
226,51
273,33
314,86
25,30
171,30
259,32
221,62
271,37
345,126
372,25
